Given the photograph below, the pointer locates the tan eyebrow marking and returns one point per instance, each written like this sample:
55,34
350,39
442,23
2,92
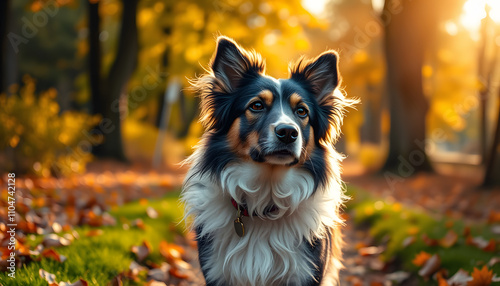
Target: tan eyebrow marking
295,99
267,96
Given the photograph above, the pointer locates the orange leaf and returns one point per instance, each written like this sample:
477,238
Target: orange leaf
94,232
177,273
421,258
494,216
354,280
449,239
429,241
441,280
491,247
139,223
467,231
360,245
52,254
371,250
171,251
481,277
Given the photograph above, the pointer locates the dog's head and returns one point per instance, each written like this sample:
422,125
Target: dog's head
267,120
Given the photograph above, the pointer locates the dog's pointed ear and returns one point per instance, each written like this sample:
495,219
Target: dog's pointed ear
320,74
230,63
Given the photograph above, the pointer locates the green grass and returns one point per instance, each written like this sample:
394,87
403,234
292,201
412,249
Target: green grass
393,223
99,259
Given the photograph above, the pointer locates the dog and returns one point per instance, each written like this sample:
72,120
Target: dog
263,190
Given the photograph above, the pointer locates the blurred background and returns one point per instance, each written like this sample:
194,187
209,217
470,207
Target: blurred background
96,111
110,78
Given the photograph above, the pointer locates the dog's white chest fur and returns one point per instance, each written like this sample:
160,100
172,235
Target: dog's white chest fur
270,252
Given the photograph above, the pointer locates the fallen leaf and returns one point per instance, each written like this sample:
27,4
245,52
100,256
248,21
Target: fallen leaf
431,265
466,231
377,264
360,245
408,241
491,247
94,232
139,223
481,243
449,239
178,273
494,216
397,277
493,261
495,229
79,282
135,268
116,281
158,274
495,278
53,240
441,280
152,213
371,250
171,251
429,241
180,269
155,283
354,280
481,277
142,251
461,278
56,227
49,277
108,220
52,254
421,258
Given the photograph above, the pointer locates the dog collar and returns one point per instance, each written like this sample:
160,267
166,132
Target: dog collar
244,210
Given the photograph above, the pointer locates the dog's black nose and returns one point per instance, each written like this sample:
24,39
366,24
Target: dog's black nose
286,133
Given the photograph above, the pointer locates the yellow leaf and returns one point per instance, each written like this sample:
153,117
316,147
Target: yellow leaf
14,141
427,71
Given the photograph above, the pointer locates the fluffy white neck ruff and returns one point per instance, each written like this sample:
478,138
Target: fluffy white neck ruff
271,251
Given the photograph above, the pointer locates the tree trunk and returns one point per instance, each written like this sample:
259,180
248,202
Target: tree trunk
164,66
114,85
95,58
4,19
405,40
492,175
190,110
371,130
486,71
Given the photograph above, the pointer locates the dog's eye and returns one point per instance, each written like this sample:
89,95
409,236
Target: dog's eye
301,112
256,106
